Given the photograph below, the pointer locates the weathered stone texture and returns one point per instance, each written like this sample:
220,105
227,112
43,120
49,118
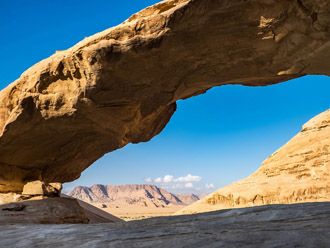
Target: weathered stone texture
120,86
298,225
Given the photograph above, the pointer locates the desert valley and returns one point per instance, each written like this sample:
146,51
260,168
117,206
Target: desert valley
131,202
122,86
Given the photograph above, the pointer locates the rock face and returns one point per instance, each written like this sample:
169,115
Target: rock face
188,199
298,172
133,195
133,201
299,225
53,211
120,86
40,188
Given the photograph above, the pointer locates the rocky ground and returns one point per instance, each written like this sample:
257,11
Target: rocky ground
298,225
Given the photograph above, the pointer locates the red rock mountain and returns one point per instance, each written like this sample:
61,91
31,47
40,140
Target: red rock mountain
132,194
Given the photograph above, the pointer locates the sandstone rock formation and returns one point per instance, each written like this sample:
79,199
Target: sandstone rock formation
121,85
300,225
138,195
298,172
187,199
40,188
134,201
57,210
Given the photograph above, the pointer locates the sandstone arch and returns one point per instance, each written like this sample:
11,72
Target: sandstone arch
121,85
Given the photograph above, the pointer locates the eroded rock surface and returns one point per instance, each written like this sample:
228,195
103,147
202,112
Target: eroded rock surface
298,172
120,86
57,210
299,225
40,188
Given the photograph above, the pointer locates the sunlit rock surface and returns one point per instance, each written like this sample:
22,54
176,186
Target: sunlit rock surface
121,85
301,225
53,210
131,194
298,172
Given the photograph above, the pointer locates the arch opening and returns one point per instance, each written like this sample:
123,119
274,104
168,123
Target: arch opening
221,137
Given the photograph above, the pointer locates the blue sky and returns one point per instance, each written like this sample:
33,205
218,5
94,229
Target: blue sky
216,138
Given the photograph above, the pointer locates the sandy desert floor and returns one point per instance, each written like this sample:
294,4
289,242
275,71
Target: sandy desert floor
130,213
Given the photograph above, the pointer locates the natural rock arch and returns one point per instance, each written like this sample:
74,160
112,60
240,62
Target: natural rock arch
120,86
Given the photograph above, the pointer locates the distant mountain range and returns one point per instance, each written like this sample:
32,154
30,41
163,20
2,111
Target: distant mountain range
140,195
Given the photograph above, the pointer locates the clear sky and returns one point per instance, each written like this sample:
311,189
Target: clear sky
212,139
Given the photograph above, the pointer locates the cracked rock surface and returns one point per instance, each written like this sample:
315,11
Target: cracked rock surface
121,85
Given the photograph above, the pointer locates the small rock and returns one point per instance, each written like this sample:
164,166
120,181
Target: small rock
40,188
34,188
54,189
57,186
14,207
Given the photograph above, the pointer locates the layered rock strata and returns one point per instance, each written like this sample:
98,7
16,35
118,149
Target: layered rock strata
58,210
134,195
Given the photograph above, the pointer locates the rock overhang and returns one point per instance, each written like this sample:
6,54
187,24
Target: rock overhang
120,86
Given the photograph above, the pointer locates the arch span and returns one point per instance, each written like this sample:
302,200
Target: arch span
120,86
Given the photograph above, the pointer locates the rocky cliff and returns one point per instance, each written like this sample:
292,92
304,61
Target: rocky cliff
121,85
298,172
133,195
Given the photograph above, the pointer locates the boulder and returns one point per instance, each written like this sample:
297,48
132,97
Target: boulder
54,189
40,188
55,210
34,188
